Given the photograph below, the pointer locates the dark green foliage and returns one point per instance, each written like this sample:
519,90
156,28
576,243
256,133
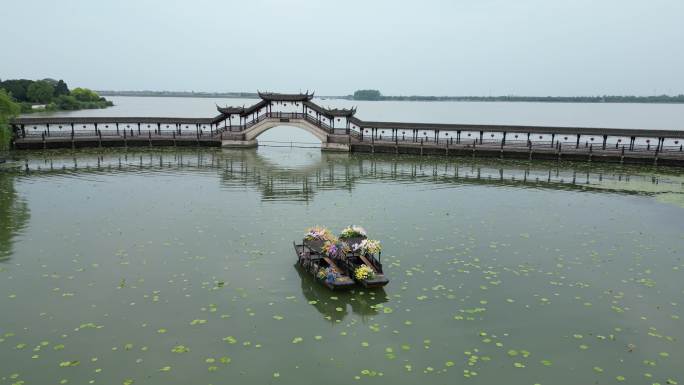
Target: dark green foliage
67,102
53,93
367,95
25,107
61,88
17,88
40,92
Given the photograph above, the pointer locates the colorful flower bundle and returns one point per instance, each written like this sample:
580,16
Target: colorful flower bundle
321,273
328,274
368,247
335,249
353,231
364,272
318,233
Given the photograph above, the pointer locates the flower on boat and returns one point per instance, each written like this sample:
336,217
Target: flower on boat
353,231
364,272
329,274
318,233
335,249
368,247
321,273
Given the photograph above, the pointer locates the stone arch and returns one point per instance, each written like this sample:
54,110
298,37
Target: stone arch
253,132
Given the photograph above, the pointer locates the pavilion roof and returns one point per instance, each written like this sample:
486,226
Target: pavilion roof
272,96
330,112
229,110
242,110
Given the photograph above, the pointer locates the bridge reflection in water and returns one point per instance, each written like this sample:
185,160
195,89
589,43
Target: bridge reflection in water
316,171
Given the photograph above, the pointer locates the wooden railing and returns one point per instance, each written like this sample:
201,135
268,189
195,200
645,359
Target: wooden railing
558,145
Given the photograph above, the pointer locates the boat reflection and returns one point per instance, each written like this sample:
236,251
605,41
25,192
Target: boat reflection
335,306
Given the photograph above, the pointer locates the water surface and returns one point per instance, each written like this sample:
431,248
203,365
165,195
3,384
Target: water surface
176,267
610,115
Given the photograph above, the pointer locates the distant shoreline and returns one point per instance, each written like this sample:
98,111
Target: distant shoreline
660,99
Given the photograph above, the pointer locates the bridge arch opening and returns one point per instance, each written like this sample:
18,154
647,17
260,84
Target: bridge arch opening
288,133
293,134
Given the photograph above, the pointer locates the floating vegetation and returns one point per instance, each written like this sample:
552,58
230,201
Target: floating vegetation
201,291
180,349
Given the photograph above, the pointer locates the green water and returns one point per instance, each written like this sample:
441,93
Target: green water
177,267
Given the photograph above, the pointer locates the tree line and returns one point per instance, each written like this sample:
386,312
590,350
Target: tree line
51,95
376,95
21,95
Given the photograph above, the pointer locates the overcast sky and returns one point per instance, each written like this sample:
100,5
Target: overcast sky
425,47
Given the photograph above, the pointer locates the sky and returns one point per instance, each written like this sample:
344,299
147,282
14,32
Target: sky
426,47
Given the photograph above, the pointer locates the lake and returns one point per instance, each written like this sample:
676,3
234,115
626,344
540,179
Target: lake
176,266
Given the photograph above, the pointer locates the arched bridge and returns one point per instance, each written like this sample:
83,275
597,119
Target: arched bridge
341,130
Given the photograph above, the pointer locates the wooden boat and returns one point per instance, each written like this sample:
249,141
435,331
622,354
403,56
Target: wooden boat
354,259
312,259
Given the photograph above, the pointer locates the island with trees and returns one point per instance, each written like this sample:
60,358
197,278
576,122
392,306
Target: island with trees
51,95
26,96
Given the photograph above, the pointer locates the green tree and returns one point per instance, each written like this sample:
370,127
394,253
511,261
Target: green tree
67,102
367,95
8,110
85,95
40,92
61,88
17,88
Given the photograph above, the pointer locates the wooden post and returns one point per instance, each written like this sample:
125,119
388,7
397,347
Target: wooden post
578,140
